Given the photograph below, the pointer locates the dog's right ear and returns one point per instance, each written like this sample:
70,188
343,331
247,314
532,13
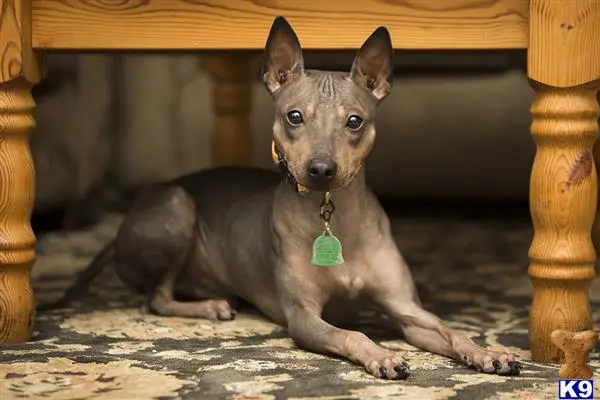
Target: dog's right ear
283,59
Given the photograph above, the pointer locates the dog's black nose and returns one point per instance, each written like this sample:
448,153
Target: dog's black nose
322,169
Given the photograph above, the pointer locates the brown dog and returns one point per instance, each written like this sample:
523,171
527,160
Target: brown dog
241,233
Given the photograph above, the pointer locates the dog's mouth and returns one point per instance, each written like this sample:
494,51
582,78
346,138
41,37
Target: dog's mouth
322,187
318,187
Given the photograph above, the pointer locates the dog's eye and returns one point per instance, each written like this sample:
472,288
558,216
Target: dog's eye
294,117
354,122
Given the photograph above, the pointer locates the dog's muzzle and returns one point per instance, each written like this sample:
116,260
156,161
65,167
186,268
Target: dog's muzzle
280,160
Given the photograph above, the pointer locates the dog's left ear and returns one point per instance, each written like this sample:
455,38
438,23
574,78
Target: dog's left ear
372,67
283,59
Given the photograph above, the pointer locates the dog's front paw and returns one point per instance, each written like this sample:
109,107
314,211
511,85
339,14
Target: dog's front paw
391,367
492,362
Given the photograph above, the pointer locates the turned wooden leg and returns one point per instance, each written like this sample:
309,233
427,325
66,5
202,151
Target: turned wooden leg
596,227
232,74
19,70
563,65
563,206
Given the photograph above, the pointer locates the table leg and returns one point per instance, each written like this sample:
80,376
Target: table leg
564,67
596,227
20,69
17,254
232,74
563,197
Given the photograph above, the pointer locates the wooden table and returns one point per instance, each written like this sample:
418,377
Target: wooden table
562,39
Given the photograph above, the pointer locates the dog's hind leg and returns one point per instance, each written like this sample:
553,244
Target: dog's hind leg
163,303
155,244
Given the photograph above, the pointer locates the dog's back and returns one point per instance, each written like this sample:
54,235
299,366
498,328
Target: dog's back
219,189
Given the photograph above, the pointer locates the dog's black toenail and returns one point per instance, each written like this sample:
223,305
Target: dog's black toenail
515,367
467,361
402,370
383,372
233,312
229,317
496,364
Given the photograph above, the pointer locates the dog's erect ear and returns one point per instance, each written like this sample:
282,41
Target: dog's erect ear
372,67
283,59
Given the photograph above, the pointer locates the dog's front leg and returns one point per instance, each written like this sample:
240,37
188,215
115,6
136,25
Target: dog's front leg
395,292
426,331
311,332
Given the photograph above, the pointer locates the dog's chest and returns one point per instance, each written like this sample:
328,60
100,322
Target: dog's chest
352,286
344,283
349,280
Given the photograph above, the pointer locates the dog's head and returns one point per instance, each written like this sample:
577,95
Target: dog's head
325,120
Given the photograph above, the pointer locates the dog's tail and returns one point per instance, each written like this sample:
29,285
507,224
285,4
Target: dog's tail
85,278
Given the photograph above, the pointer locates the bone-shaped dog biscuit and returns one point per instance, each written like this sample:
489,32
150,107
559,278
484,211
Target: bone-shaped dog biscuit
576,346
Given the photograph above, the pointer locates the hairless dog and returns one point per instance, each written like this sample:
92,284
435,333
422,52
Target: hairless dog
308,250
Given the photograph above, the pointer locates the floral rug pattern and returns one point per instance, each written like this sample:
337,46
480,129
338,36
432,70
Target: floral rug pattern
472,273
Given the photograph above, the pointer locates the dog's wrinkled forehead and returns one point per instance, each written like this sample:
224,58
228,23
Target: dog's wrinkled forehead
325,90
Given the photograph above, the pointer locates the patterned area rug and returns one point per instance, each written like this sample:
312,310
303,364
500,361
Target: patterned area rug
472,273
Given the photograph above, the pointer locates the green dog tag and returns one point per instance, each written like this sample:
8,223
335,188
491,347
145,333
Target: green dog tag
327,251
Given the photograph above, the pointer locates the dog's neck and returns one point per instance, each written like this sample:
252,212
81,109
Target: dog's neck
349,205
